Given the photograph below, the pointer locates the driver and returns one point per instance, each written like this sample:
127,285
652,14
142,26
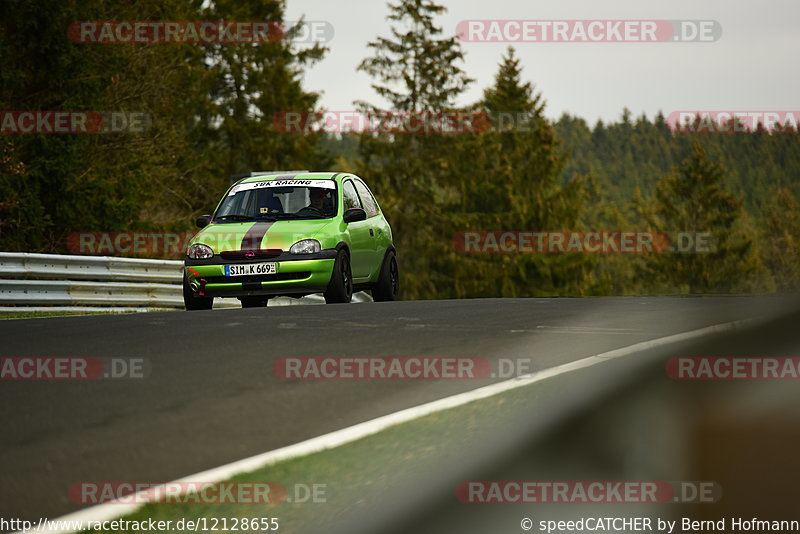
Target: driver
317,196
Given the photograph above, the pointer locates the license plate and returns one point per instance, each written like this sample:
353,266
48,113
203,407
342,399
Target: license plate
250,269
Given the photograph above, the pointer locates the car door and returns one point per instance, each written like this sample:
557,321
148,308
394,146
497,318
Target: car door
362,243
377,226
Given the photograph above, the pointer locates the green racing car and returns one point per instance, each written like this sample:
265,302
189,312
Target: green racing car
291,234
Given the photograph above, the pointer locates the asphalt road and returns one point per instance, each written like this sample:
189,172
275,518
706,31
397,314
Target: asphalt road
211,396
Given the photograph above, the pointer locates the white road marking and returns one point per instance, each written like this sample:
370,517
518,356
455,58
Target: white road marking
108,511
586,328
546,329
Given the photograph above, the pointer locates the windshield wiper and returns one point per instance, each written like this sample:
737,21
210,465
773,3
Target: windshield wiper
300,216
234,217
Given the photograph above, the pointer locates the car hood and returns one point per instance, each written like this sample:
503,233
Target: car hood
264,235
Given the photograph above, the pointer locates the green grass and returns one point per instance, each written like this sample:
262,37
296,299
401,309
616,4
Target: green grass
36,315
357,475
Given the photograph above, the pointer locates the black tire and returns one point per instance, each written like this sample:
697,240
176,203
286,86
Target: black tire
388,286
192,302
254,302
340,288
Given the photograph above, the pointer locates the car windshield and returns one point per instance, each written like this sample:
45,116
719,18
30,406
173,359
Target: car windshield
279,200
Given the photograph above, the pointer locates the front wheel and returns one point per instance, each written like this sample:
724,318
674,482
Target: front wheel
340,288
192,302
388,286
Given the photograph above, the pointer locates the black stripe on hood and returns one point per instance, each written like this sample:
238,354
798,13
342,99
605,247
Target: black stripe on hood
255,235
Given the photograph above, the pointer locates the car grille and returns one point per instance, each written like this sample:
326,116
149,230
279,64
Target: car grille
256,254
279,277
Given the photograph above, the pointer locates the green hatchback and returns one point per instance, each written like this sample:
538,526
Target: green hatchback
291,234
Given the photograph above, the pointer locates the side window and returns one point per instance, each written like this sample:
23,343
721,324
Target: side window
239,204
366,199
349,196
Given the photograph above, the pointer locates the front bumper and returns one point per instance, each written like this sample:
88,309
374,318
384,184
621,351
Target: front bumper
294,277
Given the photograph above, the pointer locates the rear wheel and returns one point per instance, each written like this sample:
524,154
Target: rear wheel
254,302
388,286
340,288
193,302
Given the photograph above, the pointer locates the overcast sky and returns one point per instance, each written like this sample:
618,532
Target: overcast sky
753,66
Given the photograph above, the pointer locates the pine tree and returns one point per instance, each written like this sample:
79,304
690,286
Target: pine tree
512,182
782,240
510,93
211,106
85,182
417,72
247,86
692,199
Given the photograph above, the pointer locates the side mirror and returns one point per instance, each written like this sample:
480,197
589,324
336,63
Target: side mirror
354,215
203,221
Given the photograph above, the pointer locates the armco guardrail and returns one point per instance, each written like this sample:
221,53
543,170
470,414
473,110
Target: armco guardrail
65,267
71,292
41,282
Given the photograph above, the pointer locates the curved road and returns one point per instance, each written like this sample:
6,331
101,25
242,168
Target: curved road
211,396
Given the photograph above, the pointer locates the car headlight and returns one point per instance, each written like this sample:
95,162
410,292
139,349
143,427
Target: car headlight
199,251
306,246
